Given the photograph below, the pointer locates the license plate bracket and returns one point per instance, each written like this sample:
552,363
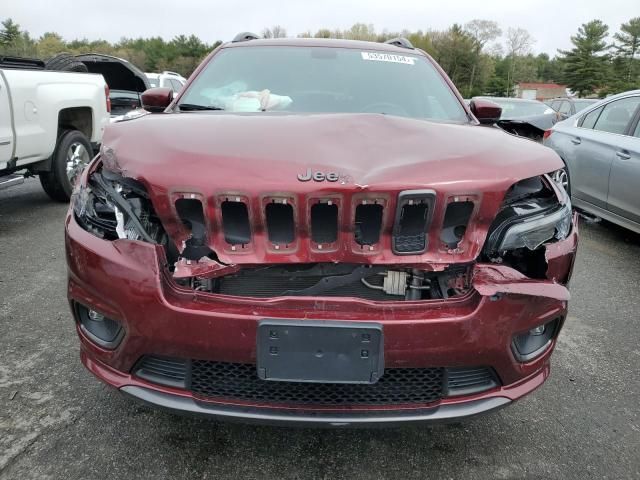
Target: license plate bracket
320,351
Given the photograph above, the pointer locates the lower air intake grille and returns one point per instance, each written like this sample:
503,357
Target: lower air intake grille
465,380
239,381
163,370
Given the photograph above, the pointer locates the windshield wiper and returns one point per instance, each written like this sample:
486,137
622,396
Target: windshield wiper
195,106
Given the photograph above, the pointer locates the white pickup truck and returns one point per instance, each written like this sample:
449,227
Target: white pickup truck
50,123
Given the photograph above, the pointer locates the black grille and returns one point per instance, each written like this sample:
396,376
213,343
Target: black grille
163,370
239,381
465,380
410,243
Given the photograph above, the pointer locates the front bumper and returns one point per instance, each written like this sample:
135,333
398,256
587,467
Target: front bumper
126,281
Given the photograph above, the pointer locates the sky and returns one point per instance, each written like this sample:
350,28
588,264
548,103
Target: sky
550,22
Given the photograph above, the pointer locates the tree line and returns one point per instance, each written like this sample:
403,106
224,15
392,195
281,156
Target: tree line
479,56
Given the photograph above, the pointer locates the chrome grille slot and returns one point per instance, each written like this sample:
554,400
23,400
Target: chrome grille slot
368,223
413,216
235,222
456,219
324,222
280,223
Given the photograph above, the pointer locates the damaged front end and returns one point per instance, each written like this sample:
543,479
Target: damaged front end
525,251
534,217
112,207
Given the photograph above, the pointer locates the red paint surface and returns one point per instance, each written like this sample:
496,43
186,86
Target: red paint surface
256,156
124,279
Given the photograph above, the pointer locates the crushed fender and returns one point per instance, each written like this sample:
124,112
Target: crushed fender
560,256
490,280
203,268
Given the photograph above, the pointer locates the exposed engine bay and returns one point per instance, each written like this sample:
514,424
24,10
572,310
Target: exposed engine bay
337,280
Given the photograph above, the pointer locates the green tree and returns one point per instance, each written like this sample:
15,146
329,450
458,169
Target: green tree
454,51
361,31
49,44
9,33
586,64
628,46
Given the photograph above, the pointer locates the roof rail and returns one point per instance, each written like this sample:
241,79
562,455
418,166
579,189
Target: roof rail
245,37
169,72
400,42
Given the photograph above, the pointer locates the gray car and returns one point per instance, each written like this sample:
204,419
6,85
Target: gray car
600,147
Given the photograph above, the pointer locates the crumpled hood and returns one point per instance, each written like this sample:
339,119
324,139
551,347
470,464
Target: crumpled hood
268,151
253,158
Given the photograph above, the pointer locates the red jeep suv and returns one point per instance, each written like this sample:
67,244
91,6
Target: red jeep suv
319,232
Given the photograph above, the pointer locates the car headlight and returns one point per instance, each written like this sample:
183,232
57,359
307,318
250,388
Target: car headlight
532,214
114,207
532,232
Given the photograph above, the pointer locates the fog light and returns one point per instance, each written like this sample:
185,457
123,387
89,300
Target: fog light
103,331
537,331
95,316
532,344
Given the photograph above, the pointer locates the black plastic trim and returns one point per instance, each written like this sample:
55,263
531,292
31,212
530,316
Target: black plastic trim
555,326
443,413
400,42
109,345
407,197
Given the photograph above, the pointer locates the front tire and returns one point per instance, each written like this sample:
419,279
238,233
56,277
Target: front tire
71,155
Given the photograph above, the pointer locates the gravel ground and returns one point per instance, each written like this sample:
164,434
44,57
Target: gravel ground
57,421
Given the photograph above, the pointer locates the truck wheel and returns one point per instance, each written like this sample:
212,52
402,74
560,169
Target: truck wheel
73,153
66,63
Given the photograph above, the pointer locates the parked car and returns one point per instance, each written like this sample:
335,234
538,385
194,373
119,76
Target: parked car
319,231
601,150
525,118
126,81
167,79
565,107
50,123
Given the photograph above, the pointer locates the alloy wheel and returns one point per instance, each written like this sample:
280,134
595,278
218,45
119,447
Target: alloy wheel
77,158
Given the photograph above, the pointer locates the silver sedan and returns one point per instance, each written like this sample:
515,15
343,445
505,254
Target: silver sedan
600,147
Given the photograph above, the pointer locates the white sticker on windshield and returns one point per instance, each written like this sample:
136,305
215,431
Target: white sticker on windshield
388,57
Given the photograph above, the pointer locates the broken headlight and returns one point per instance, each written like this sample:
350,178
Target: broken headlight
531,215
112,207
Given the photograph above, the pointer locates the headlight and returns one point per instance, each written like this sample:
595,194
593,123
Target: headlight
111,207
533,232
531,215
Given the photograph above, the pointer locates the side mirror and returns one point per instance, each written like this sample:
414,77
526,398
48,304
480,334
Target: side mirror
485,111
155,100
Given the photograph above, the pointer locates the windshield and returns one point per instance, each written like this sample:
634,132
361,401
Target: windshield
517,109
153,82
320,79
